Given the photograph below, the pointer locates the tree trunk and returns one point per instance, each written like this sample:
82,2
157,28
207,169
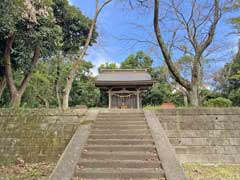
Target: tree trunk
185,99
8,73
46,103
28,76
2,85
57,82
58,95
193,96
15,100
77,63
15,93
68,88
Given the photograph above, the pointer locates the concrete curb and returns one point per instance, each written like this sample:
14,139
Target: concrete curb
65,167
166,153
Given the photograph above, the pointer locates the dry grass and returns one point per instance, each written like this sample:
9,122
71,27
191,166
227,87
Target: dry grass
212,172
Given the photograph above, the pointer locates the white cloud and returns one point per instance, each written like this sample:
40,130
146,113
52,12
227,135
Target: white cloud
98,56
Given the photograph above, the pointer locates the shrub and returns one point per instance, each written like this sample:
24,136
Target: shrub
234,96
218,102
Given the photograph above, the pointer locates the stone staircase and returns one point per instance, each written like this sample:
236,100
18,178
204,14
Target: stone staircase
120,146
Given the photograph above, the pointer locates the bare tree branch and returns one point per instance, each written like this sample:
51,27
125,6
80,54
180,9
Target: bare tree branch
212,29
164,49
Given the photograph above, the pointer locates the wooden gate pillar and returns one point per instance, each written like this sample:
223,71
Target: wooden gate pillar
110,98
138,99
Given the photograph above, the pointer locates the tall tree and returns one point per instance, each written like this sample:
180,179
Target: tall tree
75,27
27,33
79,59
107,65
139,61
199,26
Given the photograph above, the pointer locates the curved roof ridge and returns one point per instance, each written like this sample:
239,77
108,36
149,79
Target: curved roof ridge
123,70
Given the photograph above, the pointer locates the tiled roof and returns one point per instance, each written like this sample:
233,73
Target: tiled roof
124,75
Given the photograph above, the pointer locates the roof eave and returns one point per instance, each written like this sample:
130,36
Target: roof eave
122,83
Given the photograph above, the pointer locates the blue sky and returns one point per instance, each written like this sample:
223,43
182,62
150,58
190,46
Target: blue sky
118,23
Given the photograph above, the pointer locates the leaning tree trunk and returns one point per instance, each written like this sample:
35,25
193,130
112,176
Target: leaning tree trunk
2,85
68,88
78,62
57,83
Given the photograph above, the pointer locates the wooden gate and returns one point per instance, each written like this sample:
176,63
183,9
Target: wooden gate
124,101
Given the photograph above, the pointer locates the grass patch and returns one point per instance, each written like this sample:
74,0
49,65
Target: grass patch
37,171
196,171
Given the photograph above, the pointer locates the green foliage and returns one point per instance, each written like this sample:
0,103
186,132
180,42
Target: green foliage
56,27
74,24
84,93
11,13
218,102
40,92
30,29
139,61
162,93
228,80
234,96
236,20
160,74
107,65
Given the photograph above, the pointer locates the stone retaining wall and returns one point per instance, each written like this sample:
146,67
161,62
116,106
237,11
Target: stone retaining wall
203,135
36,135
198,135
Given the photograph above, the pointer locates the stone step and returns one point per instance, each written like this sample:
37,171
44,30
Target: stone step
119,164
144,127
130,118
119,179
121,136
119,156
119,142
120,131
120,123
122,114
120,120
122,148
128,173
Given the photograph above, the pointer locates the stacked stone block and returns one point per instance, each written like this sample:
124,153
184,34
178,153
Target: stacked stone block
203,135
